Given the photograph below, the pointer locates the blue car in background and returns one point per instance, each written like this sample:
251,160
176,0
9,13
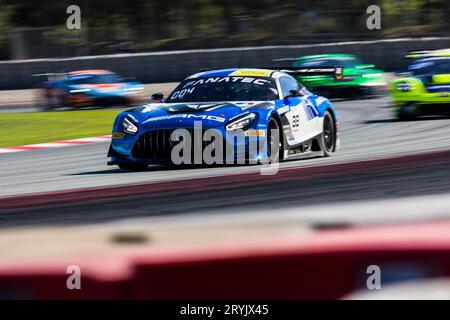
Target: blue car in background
88,88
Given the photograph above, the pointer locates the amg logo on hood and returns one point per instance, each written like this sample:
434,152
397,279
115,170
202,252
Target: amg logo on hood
188,116
183,108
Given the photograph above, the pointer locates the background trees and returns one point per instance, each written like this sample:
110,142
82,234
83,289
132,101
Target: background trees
141,25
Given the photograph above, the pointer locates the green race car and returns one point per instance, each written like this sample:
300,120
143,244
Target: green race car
425,88
358,79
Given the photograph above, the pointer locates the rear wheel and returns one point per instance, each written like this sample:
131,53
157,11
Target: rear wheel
328,134
133,167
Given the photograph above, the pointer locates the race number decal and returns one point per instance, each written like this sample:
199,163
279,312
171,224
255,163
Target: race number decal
295,121
180,94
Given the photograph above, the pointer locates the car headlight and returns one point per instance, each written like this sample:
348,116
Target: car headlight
129,127
242,123
403,86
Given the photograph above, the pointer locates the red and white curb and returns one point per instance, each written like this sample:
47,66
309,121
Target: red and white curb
56,144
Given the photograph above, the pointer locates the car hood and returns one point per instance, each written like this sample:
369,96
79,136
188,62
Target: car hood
183,115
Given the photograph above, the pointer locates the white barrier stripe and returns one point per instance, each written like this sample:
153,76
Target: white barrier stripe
48,145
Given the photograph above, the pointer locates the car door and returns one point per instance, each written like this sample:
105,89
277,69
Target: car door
303,113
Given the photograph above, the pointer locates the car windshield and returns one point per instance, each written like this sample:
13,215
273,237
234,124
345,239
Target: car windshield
430,66
338,62
95,78
229,88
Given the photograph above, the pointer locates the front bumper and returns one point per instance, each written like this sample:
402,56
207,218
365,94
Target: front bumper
155,147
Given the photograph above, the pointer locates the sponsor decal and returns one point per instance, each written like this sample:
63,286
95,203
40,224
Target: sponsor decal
229,79
252,73
187,116
255,133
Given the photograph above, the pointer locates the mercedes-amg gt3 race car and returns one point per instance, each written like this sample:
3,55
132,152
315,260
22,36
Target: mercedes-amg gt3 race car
234,116
358,79
424,89
99,88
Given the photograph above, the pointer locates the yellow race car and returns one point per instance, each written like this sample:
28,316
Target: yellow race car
425,88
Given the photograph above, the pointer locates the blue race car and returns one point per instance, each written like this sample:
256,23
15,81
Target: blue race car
228,116
99,88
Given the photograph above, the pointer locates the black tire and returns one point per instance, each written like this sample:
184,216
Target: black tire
329,135
368,93
404,113
133,167
274,153
42,101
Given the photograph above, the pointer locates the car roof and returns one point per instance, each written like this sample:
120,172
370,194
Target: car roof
240,72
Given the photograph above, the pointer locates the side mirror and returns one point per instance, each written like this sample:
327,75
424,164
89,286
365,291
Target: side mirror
293,93
157,97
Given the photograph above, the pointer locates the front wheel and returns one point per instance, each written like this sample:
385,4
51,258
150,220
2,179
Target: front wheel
274,142
329,136
133,167
407,112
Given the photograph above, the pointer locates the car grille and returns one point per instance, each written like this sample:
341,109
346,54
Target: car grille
157,145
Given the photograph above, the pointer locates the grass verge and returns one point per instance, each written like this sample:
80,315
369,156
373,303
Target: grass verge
29,128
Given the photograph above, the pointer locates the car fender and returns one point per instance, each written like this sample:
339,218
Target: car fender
416,89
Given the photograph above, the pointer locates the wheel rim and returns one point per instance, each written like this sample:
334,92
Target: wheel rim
328,134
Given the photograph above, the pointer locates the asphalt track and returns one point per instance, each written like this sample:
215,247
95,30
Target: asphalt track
368,131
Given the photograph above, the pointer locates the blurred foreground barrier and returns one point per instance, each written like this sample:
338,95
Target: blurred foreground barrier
171,66
320,265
